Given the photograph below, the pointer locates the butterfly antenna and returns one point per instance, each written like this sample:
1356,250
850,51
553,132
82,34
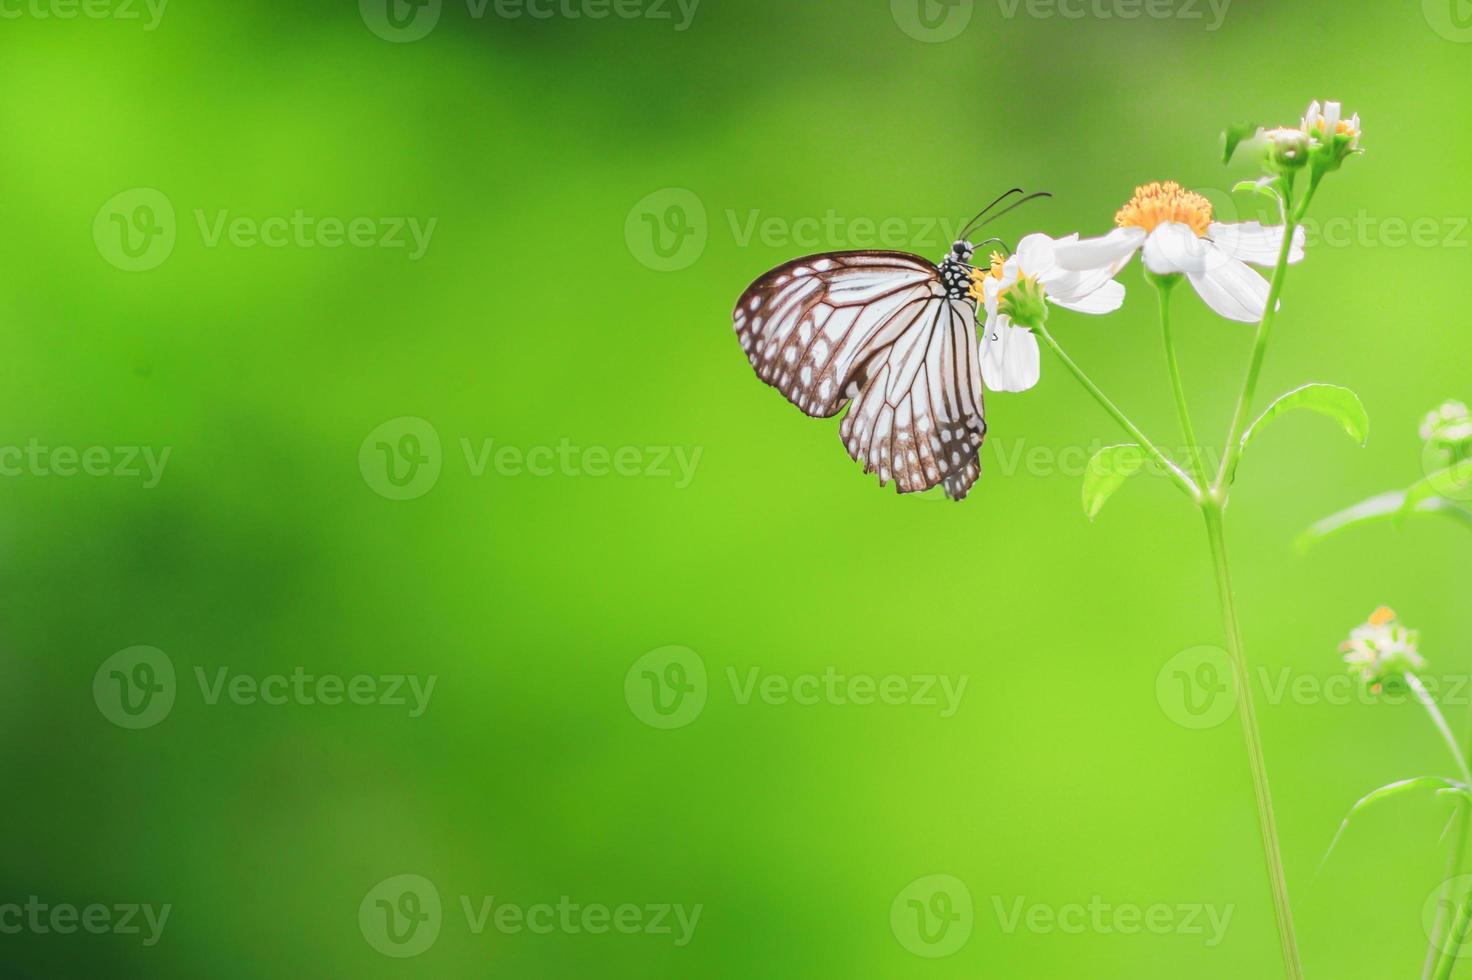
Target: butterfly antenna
1013,207
982,213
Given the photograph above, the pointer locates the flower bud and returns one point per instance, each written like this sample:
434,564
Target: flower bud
1287,149
1447,433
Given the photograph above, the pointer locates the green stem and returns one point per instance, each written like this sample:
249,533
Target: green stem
1439,720
1453,866
1171,469
1454,939
1212,500
1291,218
1434,953
1163,287
1267,823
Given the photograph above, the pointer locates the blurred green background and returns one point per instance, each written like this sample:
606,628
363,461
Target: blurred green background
544,316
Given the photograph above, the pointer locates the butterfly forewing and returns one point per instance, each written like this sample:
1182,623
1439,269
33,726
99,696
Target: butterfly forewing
878,328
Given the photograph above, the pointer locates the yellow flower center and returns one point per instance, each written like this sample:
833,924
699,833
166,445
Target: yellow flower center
1158,202
1341,128
1381,616
979,277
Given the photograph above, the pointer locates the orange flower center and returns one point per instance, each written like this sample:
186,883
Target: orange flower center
1157,202
1382,616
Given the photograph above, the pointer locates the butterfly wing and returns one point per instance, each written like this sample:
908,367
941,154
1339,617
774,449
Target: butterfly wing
877,328
918,415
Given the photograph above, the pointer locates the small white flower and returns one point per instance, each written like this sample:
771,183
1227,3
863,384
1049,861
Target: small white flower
1380,651
1009,352
1174,229
1327,120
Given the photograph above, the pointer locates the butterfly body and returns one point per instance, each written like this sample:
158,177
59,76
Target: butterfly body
955,270
892,336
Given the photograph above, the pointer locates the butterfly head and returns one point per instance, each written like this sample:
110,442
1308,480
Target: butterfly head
962,250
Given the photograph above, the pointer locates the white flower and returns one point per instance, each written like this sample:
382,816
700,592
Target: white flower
1009,352
1174,229
1381,651
1326,120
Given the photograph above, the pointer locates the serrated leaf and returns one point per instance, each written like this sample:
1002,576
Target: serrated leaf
1387,791
1335,401
1453,479
1375,510
1233,136
1107,470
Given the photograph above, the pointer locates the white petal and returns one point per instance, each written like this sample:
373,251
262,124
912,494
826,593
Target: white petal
1110,251
1105,299
991,292
1251,242
1311,117
1232,289
1036,255
1331,117
1010,360
1174,247
1071,287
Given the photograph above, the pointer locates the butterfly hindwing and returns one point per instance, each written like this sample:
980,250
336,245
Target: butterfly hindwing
877,328
918,416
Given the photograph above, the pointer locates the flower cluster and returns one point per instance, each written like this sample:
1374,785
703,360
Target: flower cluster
1380,651
1177,236
1323,139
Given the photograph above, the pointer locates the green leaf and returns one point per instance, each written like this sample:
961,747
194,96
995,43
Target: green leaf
1338,403
1453,479
1233,135
1109,468
1376,510
1266,186
1387,791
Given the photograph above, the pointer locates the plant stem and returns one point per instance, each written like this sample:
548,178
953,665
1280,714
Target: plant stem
1171,469
1163,287
1453,866
1232,450
1212,499
1463,821
1454,939
1267,823
1439,720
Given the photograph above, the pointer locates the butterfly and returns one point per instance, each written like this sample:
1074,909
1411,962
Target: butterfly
895,335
